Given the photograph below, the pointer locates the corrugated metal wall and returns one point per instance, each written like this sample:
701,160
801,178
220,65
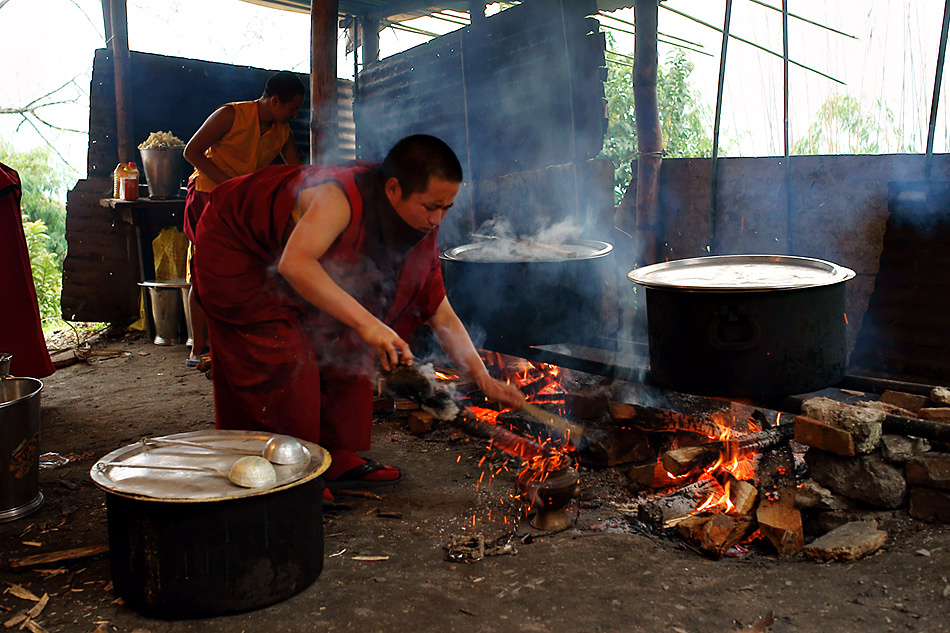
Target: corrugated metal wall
518,92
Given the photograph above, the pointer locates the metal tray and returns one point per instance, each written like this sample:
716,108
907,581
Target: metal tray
197,485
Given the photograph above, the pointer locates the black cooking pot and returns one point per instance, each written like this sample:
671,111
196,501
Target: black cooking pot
186,543
746,325
513,296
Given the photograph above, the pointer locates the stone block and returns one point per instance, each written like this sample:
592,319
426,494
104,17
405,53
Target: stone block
813,496
930,504
851,541
827,438
867,478
940,396
898,449
863,423
930,469
608,444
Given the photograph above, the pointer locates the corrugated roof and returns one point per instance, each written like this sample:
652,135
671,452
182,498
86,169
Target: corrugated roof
402,9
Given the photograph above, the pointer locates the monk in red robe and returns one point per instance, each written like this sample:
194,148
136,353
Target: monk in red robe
21,331
305,272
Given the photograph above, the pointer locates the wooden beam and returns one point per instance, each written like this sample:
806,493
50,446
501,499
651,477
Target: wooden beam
123,80
323,79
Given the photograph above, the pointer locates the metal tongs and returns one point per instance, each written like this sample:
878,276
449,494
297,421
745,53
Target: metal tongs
563,252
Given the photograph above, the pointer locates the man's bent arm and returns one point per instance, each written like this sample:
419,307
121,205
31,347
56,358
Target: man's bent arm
326,214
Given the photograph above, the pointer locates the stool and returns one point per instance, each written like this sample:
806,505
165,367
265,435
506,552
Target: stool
169,299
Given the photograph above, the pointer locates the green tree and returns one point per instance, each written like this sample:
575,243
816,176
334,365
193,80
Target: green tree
685,123
843,126
47,269
44,184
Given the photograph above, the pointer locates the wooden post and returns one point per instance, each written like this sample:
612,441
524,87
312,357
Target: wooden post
649,134
369,35
107,20
323,94
123,80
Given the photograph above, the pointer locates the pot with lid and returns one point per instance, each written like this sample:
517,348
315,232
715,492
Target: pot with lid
186,541
526,293
745,325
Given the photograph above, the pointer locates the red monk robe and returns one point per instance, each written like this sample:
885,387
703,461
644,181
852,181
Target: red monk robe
279,364
21,332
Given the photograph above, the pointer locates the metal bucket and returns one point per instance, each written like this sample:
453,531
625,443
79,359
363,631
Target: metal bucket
19,447
163,170
166,297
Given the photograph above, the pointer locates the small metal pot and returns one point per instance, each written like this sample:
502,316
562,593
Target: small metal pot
745,325
511,302
187,543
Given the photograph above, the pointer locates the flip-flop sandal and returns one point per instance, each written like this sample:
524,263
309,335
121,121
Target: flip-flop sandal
353,479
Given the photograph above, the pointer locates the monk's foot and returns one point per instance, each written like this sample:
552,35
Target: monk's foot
348,470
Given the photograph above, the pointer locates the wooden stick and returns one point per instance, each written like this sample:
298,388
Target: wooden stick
53,557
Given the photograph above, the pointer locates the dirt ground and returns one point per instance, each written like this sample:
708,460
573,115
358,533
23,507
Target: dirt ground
604,573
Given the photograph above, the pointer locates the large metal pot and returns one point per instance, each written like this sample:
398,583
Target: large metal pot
189,543
745,325
514,298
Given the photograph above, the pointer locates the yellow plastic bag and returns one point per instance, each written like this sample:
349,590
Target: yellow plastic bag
170,252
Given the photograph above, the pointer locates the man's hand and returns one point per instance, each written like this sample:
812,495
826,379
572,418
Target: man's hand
506,394
390,349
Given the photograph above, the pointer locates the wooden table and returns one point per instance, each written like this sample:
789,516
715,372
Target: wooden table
149,217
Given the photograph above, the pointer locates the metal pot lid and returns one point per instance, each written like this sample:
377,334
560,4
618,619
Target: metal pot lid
203,474
503,251
748,273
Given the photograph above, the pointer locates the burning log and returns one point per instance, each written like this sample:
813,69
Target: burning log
716,533
681,461
668,511
779,520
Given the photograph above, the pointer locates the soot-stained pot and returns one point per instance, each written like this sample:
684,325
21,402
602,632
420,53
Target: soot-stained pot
745,325
513,296
189,543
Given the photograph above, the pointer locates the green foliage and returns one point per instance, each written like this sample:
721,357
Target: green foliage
44,183
842,126
47,268
685,123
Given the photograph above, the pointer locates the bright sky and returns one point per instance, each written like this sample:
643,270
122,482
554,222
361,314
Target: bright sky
49,44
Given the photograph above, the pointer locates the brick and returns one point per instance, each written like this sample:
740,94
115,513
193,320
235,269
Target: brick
930,504
420,422
651,475
909,401
383,403
823,436
587,402
935,414
851,541
930,469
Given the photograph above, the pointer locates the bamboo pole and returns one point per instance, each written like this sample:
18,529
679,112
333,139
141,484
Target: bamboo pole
714,184
323,90
649,134
123,80
786,164
941,56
